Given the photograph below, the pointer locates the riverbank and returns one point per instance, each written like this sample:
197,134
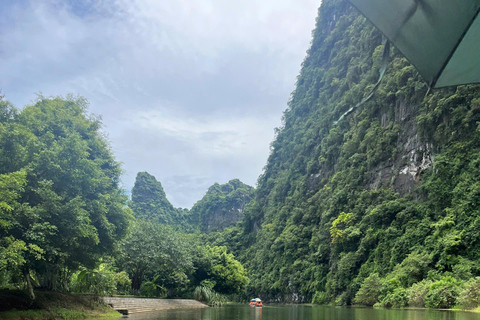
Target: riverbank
16,305
131,305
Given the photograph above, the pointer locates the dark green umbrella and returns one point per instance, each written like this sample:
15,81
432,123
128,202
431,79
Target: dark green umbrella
441,38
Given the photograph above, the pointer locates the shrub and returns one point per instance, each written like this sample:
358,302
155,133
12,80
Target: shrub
417,292
321,297
369,291
342,299
208,295
100,281
469,298
443,293
396,299
152,290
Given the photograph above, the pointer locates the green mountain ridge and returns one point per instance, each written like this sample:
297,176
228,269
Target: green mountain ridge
392,190
149,201
221,207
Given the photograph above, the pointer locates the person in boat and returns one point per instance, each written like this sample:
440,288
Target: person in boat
256,302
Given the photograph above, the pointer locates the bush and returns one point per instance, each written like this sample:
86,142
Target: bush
100,281
150,289
342,299
443,293
369,291
469,298
417,292
208,295
124,283
321,297
396,299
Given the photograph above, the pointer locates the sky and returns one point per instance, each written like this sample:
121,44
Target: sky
188,90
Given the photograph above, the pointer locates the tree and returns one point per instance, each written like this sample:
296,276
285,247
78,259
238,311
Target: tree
369,291
152,249
222,269
71,207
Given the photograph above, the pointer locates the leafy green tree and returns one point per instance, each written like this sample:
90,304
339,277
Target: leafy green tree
72,211
417,293
100,281
443,293
369,291
151,289
221,269
469,297
153,249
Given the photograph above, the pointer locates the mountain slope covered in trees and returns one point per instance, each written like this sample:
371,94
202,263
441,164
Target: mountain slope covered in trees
391,191
149,201
379,208
221,207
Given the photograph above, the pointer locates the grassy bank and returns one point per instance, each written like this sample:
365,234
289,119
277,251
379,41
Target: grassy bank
16,305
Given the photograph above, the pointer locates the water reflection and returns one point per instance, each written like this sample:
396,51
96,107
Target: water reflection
295,312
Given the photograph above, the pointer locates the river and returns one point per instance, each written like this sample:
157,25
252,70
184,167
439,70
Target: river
303,312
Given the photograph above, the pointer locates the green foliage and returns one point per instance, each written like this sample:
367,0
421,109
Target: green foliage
369,291
151,289
101,281
339,225
220,270
156,250
321,297
63,206
208,295
443,293
417,293
149,201
221,207
469,298
397,298
12,251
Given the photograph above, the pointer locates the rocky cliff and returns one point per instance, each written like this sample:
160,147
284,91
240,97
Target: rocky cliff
391,189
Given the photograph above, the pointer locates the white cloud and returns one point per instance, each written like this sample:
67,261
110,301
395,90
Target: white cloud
211,135
186,88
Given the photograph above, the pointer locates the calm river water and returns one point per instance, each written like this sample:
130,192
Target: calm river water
303,312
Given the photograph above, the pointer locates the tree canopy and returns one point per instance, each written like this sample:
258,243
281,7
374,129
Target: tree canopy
60,187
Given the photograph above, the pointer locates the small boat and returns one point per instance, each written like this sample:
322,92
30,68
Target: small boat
256,302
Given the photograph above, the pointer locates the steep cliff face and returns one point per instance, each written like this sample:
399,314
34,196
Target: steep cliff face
221,207
337,202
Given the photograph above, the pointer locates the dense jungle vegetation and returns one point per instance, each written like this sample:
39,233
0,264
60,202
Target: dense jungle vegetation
379,209
66,225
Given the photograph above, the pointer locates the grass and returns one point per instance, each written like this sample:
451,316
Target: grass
52,306
57,313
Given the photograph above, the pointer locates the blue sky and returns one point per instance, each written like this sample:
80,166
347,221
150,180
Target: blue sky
188,90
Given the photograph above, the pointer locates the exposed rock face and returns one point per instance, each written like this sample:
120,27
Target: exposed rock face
403,172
